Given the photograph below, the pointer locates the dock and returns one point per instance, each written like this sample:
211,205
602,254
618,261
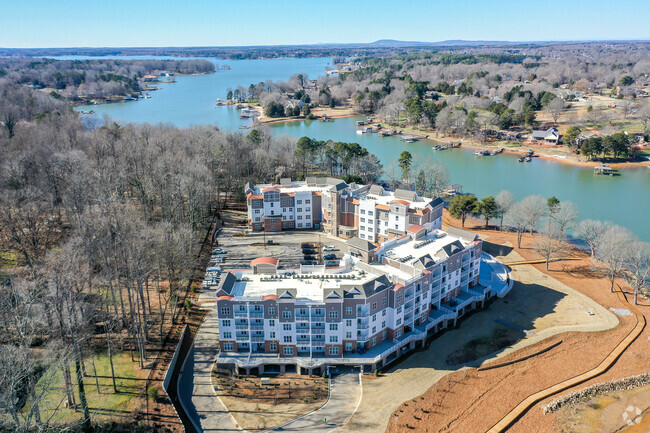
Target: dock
604,169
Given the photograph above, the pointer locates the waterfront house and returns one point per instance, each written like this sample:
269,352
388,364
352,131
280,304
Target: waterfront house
550,135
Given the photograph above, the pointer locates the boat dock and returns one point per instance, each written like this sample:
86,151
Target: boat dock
604,169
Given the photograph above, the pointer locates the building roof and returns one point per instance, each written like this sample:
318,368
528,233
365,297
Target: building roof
415,228
463,234
450,249
360,244
405,194
270,189
265,260
404,202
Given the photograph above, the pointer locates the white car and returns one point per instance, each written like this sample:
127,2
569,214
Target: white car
329,248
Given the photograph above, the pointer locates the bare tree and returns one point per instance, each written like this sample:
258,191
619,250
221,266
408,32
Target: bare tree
611,251
504,200
550,243
437,180
555,108
637,264
591,231
518,218
564,215
535,207
644,116
627,107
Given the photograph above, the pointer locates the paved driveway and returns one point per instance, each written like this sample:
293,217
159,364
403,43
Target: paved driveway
345,395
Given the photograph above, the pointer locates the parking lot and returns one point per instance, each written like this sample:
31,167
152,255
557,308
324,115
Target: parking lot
286,247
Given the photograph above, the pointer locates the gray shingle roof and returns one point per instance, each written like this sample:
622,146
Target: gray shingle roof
405,194
360,244
450,249
464,234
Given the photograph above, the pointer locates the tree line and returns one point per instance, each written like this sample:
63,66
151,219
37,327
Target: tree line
616,251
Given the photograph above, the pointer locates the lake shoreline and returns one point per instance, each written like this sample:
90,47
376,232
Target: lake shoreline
568,159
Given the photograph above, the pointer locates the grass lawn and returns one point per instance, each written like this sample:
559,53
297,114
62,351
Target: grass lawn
105,405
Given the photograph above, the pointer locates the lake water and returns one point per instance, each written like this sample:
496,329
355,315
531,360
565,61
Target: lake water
623,199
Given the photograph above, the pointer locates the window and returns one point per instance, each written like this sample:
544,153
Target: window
227,335
288,350
272,311
383,324
272,322
399,309
334,314
398,333
374,341
286,314
225,323
383,313
257,211
348,335
318,312
307,209
299,225
225,311
383,336
287,339
348,310
299,209
257,308
303,311
299,217
334,327
272,335
228,347
307,201
374,329
348,347
374,305
334,350
284,209
386,223
362,236
363,211
363,220
370,213
334,339
399,298
286,326
348,322
398,322
273,347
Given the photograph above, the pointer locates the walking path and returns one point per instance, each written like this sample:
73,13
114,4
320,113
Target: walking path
344,398
529,401
195,389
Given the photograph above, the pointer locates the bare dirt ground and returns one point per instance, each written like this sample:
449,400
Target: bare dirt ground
472,400
258,407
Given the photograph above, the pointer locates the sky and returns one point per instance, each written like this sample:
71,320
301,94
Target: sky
181,23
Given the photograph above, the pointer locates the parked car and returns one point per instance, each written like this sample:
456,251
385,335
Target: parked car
329,248
309,257
308,251
308,262
331,263
219,251
306,245
330,257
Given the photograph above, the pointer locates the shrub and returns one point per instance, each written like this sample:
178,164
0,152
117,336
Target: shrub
152,392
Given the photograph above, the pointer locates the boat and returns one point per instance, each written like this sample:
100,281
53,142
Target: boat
494,152
481,152
522,159
528,159
529,153
438,147
361,122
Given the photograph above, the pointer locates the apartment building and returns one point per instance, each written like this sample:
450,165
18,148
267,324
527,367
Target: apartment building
345,210
368,311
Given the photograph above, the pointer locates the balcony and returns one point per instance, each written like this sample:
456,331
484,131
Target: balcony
302,330
241,314
408,309
408,298
361,313
242,338
257,339
256,314
362,336
241,327
318,337
317,331
362,325
257,327
302,318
